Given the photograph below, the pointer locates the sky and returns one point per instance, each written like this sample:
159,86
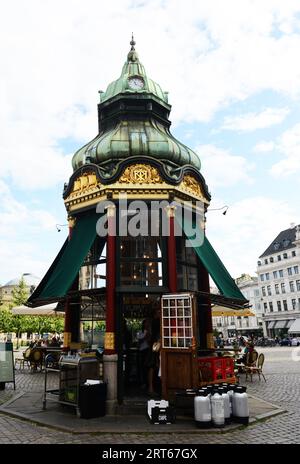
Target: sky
232,71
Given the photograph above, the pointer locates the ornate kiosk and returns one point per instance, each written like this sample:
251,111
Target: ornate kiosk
132,165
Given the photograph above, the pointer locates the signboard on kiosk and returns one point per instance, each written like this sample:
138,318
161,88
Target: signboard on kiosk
7,373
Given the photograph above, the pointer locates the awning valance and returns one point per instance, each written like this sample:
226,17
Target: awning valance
271,324
213,264
46,310
280,324
218,311
289,323
61,274
295,327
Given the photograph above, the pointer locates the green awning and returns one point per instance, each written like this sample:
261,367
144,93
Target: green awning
213,264
65,267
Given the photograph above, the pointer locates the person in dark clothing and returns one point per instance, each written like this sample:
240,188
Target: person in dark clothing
154,356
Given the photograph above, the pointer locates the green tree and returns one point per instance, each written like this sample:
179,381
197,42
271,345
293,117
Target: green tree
6,317
20,293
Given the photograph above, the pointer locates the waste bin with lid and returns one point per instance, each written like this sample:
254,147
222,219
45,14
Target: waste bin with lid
92,400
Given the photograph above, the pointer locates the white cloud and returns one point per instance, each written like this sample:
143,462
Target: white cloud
247,230
289,145
23,232
253,121
50,75
264,147
222,169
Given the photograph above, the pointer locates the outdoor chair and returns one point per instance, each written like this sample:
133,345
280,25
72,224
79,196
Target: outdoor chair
36,359
251,359
24,361
256,369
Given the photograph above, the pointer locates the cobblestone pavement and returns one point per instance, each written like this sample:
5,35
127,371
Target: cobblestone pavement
282,388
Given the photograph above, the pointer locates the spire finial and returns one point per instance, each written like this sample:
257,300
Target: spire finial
132,55
132,42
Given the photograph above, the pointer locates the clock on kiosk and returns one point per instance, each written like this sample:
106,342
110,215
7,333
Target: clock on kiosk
136,83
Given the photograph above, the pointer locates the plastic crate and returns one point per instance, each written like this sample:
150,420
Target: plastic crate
211,368
159,412
228,368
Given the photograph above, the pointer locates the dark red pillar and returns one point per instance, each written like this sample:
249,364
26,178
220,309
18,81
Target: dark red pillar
172,268
109,342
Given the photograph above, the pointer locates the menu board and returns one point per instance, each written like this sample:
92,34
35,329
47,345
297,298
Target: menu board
6,362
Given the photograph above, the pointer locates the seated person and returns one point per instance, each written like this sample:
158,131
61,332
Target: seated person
249,348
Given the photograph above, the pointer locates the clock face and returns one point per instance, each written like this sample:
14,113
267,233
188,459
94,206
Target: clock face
136,83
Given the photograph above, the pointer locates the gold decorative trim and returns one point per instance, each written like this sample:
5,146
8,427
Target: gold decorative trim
83,185
191,184
109,341
140,174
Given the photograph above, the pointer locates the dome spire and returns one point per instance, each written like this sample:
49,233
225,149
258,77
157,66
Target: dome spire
132,42
132,56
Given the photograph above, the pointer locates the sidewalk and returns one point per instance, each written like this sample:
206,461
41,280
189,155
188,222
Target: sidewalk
132,418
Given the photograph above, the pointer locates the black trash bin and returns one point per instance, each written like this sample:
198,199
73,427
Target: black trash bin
92,400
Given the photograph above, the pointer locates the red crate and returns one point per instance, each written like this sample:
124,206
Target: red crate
216,369
228,368
211,369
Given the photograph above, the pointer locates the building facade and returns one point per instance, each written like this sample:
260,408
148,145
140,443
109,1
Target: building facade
278,271
31,281
250,322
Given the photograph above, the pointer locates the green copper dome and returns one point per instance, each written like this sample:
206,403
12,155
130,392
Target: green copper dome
133,121
132,138
131,69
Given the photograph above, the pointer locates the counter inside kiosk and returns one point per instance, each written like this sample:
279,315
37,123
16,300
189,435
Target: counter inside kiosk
183,364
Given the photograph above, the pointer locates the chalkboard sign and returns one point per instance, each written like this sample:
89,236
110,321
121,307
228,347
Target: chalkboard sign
7,373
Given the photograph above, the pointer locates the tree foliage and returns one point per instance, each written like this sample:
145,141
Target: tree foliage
20,293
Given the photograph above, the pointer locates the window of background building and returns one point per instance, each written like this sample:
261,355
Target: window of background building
271,260
296,269
285,255
269,290
279,258
282,288
277,289
289,269
267,276
265,307
275,274
266,261
293,303
280,273
298,285
279,305
293,253
285,306
263,289
262,277
292,286
270,306
256,292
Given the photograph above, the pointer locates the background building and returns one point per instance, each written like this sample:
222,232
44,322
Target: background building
6,290
232,325
278,273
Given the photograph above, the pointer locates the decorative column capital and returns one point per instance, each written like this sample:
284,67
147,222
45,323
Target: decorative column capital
171,210
71,221
111,210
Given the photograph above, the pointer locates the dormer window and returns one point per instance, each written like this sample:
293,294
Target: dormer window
286,243
276,246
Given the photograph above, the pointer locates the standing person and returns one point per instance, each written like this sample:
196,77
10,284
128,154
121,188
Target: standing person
153,360
143,338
